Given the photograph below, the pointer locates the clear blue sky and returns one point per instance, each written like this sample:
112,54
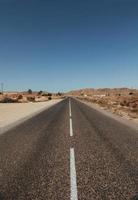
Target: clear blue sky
59,45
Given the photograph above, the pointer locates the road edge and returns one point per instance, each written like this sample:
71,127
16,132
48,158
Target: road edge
127,122
22,120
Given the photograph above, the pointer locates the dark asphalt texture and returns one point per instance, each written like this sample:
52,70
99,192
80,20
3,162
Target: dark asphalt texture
35,156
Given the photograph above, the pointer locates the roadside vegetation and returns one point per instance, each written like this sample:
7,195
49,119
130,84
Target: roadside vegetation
121,101
29,96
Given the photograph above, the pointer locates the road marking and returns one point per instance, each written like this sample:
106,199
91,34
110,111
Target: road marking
73,179
70,108
70,119
71,129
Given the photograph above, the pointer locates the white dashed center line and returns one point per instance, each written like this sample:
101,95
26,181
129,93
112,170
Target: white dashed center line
73,179
70,119
70,108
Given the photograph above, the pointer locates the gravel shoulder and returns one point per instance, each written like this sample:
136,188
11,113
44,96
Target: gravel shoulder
131,123
13,114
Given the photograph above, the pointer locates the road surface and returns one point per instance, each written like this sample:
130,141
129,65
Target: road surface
69,152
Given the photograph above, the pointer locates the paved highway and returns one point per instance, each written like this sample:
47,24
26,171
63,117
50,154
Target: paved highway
69,152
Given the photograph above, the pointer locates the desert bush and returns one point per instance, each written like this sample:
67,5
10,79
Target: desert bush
131,93
49,94
32,99
8,100
20,97
45,95
40,92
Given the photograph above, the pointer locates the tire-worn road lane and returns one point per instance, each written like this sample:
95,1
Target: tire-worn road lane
35,162
34,157
106,155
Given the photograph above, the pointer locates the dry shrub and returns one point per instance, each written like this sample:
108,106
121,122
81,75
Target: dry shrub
20,97
31,99
8,100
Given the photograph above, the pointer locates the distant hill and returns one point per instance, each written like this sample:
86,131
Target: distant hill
102,91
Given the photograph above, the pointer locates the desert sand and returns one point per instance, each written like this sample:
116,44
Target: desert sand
13,113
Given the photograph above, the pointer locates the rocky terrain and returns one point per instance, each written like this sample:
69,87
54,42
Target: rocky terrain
122,101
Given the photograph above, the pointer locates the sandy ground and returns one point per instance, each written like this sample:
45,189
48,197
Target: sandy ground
131,123
14,113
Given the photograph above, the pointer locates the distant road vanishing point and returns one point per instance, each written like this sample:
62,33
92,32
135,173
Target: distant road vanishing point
69,152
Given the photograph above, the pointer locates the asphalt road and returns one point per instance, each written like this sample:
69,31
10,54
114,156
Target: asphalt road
69,152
